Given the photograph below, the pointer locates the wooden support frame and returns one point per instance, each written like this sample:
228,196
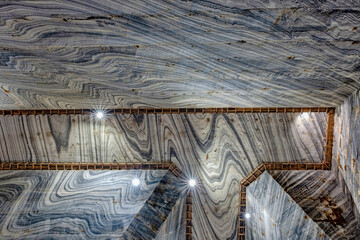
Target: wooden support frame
91,166
292,166
189,215
324,165
6,112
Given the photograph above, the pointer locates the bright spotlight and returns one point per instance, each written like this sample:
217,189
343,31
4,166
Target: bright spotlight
247,215
99,115
135,182
192,182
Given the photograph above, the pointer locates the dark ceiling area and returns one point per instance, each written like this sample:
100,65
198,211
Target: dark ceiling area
180,120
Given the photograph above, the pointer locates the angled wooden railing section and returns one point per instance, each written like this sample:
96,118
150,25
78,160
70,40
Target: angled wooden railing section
256,173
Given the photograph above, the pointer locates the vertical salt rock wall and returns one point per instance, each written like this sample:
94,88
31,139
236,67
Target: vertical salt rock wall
175,224
346,153
275,215
220,149
72,204
156,209
325,198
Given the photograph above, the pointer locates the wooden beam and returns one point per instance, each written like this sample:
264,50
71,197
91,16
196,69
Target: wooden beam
242,212
6,112
189,215
329,140
91,166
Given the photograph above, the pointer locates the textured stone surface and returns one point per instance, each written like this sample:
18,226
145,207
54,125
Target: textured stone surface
275,215
325,198
174,226
218,149
157,207
159,53
72,204
346,153
252,138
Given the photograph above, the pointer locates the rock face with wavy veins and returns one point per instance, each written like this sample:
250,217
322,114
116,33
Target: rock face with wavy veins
174,225
346,153
158,53
275,215
175,54
156,209
325,198
219,149
187,139
72,204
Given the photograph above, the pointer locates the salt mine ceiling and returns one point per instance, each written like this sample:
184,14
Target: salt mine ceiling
130,54
240,96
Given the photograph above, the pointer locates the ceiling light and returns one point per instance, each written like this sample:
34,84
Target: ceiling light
99,115
192,182
247,215
135,182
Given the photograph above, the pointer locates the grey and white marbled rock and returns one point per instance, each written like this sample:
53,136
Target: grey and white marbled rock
325,198
156,209
72,204
219,149
175,225
275,215
159,53
252,138
346,153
